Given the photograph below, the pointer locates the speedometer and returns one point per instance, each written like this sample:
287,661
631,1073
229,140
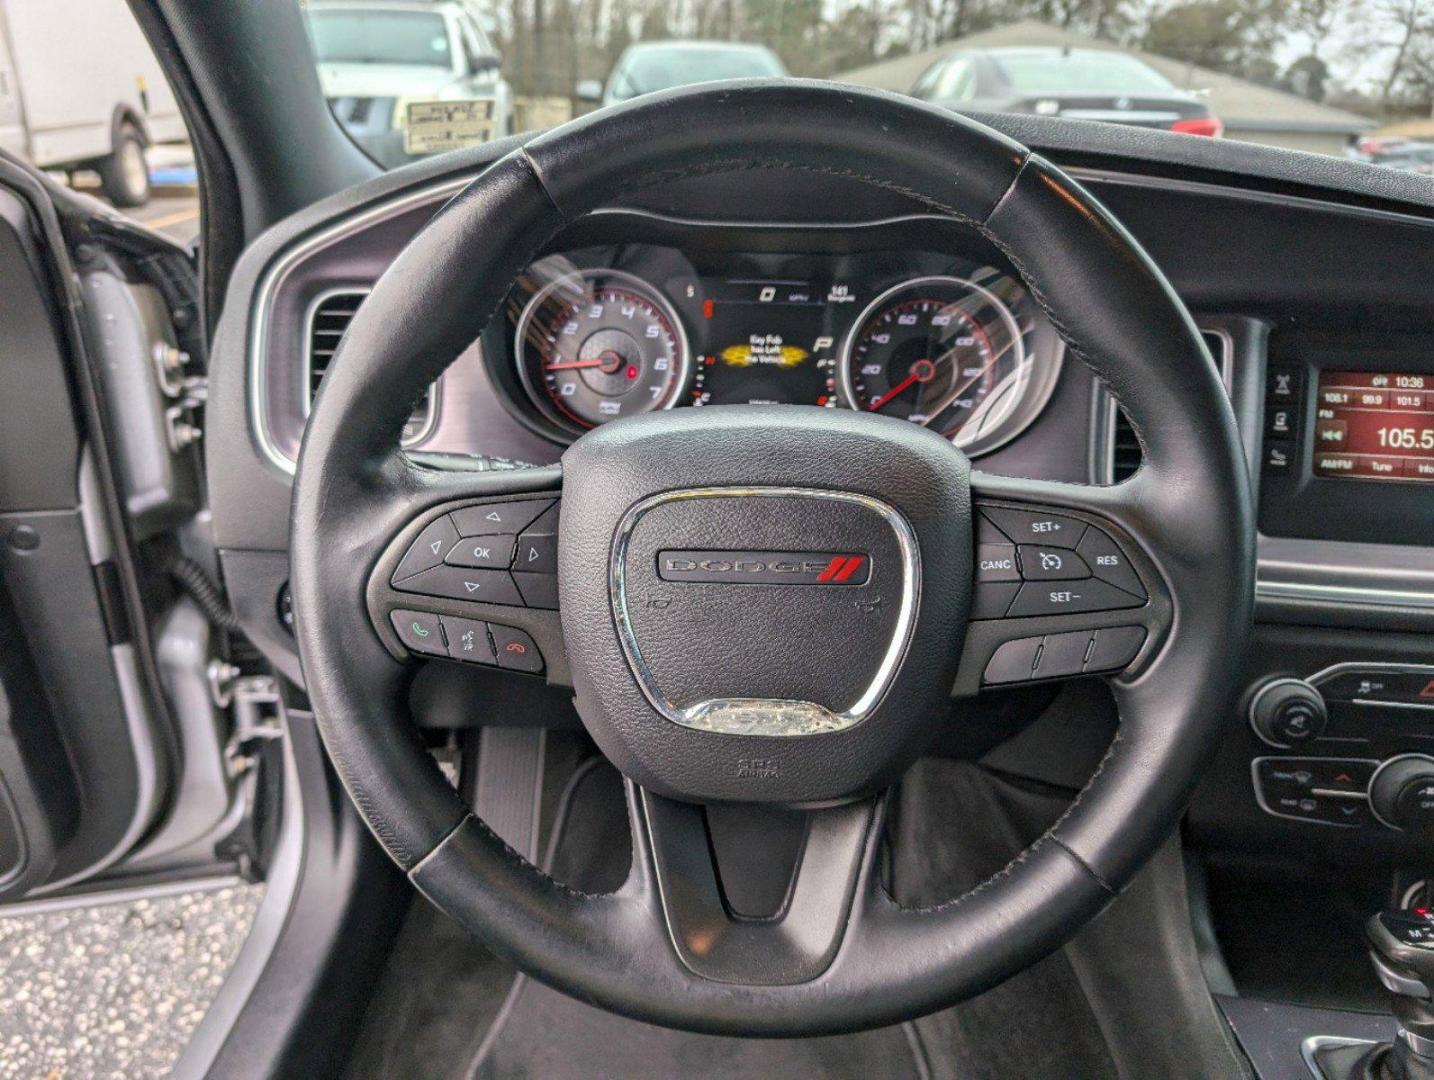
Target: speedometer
944,352
594,345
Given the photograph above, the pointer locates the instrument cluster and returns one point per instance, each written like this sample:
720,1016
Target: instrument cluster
595,334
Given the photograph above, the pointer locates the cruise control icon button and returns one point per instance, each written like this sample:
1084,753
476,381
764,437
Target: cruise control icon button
1051,564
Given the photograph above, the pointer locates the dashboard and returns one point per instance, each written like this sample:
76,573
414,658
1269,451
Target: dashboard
719,290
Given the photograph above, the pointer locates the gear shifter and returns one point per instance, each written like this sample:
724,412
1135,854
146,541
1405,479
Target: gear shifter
1401,946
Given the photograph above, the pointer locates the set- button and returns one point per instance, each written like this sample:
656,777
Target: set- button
1031,563
492,553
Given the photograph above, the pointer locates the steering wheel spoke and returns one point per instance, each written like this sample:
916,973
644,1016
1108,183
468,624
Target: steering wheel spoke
753,894
1065,583
470,575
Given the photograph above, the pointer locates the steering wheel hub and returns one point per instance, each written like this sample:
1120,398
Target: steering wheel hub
750,630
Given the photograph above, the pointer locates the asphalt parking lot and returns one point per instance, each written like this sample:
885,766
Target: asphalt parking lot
114,991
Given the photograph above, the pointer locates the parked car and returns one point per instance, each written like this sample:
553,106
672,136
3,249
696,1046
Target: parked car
1415,157
661,65
95,104
1082,84
376,58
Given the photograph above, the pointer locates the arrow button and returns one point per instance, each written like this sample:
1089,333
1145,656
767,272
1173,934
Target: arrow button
427,549
461,583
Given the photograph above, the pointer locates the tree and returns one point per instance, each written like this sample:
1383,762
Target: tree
1228,35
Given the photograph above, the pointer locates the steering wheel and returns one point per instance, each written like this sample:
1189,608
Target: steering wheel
685,582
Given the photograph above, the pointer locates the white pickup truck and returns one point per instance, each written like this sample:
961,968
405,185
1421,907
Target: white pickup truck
91,100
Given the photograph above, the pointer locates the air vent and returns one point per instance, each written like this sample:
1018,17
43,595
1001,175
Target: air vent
1124,448
328,319
1125,453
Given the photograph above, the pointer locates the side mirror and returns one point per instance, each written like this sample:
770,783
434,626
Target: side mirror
588,90
484,64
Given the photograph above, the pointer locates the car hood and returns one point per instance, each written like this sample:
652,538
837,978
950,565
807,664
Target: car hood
383,80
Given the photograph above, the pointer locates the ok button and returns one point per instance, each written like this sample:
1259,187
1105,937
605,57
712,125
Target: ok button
490,552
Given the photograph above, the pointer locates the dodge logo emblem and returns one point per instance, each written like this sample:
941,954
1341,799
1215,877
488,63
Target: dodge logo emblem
765,567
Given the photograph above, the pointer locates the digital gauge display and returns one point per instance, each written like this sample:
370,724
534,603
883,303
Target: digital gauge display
768,343
1375,425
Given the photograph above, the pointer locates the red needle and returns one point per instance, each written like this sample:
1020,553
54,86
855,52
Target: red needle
609,361
921,371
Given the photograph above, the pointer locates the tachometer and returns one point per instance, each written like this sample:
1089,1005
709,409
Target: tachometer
945,352
594,345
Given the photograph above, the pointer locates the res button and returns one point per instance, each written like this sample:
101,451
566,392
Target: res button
1108,562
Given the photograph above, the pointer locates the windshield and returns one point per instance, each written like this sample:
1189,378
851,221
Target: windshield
1081,73
1352,78
644,71
352,36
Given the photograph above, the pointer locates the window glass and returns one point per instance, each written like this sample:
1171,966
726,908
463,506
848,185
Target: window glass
1345,77
355,36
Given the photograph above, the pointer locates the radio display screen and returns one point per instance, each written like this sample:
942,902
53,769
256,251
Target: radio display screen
1374,425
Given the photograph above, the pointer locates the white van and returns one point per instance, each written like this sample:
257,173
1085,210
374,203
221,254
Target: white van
83,100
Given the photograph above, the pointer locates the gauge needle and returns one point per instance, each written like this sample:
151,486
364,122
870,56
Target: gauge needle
921,372
608,361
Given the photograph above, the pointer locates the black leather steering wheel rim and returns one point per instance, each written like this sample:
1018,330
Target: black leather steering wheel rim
1189,506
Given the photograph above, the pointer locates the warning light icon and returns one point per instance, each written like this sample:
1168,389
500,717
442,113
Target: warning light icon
1428,691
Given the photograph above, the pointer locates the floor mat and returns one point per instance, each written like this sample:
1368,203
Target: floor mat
543,1033
554,1037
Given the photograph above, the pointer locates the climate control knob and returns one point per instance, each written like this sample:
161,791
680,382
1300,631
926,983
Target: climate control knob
1288,712
1401,792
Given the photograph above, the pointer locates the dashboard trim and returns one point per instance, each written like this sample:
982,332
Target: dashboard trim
1278,556
274,276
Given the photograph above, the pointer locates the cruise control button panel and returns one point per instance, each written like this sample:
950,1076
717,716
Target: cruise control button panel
493,553
1031,562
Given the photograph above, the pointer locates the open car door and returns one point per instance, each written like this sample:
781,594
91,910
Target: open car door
121,761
